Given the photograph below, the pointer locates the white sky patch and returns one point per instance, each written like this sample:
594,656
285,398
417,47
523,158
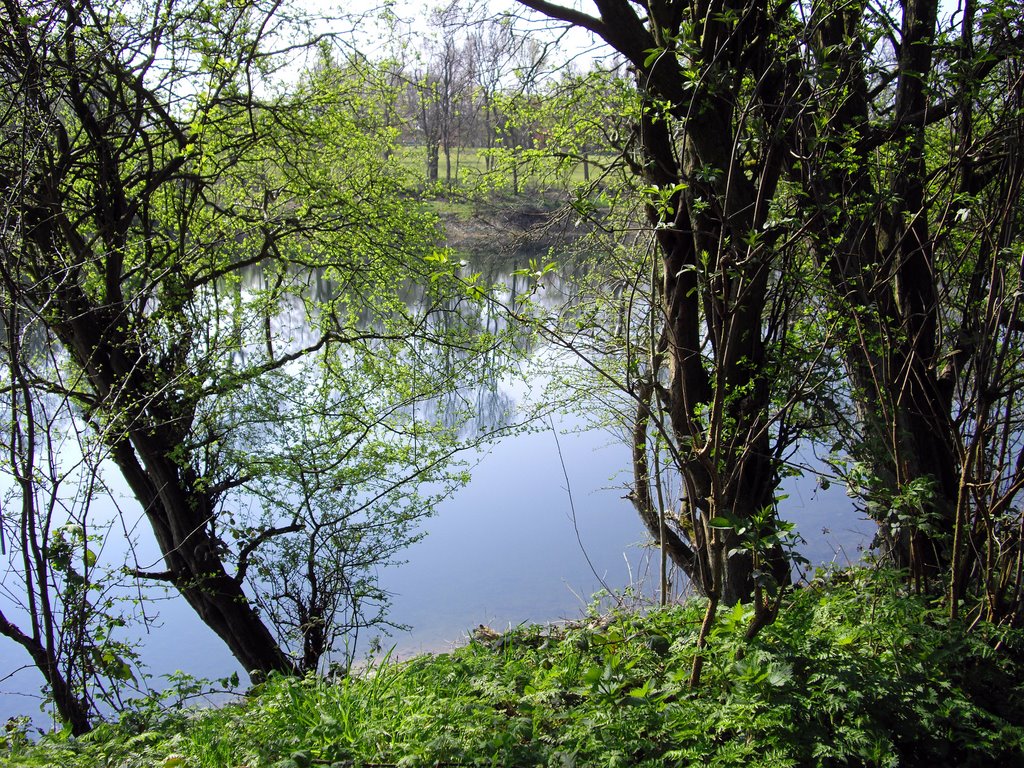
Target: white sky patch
402,30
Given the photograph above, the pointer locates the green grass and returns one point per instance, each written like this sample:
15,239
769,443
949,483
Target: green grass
854,673
469,168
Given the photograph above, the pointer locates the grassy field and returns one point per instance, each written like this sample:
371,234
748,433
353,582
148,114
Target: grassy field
854,673
470,170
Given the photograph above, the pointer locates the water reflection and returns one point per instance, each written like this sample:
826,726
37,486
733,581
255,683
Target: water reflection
490,404
509,547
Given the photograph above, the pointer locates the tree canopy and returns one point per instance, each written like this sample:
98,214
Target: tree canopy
226,268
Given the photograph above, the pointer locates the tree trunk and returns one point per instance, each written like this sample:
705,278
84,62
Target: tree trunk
121,373
72,709
181,517
876,252
433,161
707,213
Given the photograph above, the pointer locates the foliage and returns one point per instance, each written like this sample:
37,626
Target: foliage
832,197
559,136
237,300
855,672
916,227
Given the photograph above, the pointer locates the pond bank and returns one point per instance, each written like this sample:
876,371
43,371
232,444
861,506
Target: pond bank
830,683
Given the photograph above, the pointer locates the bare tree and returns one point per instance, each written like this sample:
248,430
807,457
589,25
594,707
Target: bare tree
493,46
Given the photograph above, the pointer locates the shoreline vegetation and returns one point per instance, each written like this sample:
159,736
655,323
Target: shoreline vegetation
856,671
499,228
224,278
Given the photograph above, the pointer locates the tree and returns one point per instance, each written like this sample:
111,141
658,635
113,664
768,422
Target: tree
551,124
59,604
444,91
711,147
869,156
911,169
167,211
493,45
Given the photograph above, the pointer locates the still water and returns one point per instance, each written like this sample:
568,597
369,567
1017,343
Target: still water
541,527
505,549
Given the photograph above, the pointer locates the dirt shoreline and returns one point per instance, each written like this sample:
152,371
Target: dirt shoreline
524,228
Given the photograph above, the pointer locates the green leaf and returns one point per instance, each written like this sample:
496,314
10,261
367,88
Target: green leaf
652,56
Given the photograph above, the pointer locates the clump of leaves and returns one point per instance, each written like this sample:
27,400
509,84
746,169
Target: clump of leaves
854,672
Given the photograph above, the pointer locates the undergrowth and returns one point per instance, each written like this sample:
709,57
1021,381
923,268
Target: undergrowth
854,673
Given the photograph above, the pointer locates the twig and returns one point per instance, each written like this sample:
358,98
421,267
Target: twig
572,508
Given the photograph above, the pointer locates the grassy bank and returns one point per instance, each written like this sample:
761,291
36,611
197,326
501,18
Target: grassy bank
855,672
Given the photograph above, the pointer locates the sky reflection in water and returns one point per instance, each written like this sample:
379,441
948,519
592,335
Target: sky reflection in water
504,550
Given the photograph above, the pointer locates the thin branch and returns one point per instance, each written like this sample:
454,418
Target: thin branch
251,546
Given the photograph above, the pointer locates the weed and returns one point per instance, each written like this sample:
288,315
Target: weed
853,673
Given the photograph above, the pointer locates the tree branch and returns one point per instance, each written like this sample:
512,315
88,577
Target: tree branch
248,549
568,15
